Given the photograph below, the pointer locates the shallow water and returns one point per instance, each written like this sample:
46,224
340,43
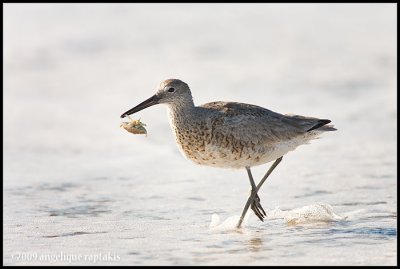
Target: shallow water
78,189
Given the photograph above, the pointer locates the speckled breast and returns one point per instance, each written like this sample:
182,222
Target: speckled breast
202,145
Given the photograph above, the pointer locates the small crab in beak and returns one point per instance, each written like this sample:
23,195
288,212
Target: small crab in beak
134,127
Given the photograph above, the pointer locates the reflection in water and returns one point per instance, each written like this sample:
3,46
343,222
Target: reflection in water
255,244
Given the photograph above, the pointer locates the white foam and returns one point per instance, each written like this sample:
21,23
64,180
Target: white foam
314,213
215,220
318,212
228,224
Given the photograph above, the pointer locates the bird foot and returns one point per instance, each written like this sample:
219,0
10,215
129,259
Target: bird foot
257,208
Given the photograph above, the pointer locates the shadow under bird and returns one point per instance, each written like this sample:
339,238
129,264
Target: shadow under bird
231,134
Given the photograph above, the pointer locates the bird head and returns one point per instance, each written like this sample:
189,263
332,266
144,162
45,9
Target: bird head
173,92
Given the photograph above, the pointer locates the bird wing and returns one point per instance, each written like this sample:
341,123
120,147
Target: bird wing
250,123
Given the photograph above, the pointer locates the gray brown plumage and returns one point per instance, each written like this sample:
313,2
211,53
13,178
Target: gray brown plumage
231,134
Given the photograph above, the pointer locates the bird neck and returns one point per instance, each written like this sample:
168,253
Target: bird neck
182,107
181,112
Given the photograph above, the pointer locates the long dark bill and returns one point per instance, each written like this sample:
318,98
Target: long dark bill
145,104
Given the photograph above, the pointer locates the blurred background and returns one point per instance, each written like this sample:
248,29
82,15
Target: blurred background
75,182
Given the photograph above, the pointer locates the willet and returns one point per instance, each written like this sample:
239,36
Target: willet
232,135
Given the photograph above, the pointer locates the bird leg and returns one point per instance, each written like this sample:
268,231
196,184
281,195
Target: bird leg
254,192
255,204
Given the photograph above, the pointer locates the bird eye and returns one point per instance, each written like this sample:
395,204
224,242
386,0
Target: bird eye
171,89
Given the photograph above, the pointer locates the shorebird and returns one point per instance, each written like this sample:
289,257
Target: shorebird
231,134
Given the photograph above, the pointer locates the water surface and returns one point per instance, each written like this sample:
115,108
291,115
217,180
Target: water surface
78,189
